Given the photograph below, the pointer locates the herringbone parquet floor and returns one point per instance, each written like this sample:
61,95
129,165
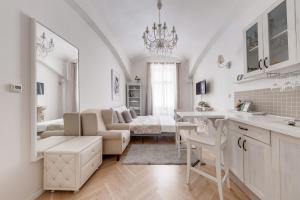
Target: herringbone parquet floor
114,181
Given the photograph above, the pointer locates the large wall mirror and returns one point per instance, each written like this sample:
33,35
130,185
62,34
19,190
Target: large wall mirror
55,90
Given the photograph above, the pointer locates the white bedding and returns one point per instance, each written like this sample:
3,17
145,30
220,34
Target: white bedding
168,124
150,124
153,125
50,125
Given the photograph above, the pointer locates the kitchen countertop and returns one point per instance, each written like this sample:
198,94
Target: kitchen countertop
269,122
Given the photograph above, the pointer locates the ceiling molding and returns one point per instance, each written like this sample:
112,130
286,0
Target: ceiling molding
100,34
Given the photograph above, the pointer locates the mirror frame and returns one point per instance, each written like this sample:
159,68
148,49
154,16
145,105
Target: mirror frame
33,96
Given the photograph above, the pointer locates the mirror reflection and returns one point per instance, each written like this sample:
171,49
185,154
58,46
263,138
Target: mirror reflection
57,93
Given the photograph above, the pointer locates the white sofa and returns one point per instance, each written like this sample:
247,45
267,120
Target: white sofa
114,141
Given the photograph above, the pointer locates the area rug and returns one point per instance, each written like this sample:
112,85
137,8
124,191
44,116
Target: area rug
154,154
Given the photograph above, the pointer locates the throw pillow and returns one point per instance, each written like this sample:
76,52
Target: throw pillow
121,120
127,117
133,113
129,113
115,117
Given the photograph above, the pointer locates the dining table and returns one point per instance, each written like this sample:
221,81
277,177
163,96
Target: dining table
188,115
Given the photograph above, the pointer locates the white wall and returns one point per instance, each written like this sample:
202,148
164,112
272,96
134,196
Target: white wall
19,177
55,63
139,68
53,92
230,44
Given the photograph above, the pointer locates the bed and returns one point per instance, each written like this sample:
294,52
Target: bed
152,125
142,125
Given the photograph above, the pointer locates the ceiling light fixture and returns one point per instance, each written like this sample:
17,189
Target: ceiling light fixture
159,40
44,46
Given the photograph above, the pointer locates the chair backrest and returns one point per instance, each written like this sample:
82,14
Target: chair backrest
92,122
202,124
72,124
216,130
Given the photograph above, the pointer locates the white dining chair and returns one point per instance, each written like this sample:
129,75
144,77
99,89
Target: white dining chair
216,142
183,130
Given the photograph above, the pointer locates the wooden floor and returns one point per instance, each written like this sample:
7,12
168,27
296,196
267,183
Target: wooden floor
146,182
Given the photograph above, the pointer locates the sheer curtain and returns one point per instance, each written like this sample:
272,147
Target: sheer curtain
164,88
71,93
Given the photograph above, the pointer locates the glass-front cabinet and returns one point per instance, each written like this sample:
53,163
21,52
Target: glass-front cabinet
254,48
271,39
279,35
297,5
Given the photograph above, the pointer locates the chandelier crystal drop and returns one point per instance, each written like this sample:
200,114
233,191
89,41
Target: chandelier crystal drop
159,39
44,46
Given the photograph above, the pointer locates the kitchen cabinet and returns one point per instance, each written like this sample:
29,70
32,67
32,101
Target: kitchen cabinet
250,157
257,162
270,41
286,165
279,35
297,5
236,154
254,48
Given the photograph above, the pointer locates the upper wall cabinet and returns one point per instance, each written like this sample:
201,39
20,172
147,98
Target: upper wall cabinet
254,47
297,5
273,46
279,35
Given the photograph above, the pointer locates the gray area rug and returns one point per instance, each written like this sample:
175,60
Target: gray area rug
154,154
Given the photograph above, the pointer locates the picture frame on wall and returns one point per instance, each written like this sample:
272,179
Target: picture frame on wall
115,85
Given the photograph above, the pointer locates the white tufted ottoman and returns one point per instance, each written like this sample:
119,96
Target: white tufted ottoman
67,166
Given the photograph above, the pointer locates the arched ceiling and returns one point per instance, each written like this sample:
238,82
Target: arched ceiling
196,22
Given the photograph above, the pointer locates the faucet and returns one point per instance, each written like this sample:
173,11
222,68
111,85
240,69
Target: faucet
293,122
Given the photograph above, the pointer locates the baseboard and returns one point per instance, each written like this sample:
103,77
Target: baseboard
36,194
242,187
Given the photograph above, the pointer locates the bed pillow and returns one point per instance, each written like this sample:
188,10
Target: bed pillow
121,120
133,114
115,117
126,116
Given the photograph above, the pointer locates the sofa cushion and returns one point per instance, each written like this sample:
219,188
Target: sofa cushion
72,124
133,113
118,126
126,116
115,117
107,116
92,122
121,120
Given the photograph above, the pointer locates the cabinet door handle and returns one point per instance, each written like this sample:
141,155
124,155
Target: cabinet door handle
242,128
239,142
265,64
244,147
259,64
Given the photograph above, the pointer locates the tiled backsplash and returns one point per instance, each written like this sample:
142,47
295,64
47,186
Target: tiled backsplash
273,101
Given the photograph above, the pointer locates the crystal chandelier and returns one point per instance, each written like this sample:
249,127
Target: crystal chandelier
44,46
159,40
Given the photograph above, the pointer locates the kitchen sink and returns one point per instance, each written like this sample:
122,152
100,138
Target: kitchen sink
286,121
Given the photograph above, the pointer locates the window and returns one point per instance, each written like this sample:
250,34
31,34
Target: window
164,88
